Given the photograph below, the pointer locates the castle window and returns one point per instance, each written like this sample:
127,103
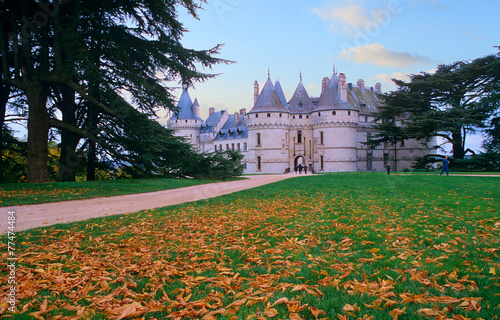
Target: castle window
232,146
299,136
321,137
244,146
256,115
259,163
307,116
227,146
258,139
300,117
186,121
321,163
238,147
281,115
366,119
294,117
269,115
319,114
348,113
334,113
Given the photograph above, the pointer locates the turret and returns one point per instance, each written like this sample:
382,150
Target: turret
196,108
255,91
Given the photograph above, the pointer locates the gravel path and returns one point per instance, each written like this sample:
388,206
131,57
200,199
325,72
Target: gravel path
40,215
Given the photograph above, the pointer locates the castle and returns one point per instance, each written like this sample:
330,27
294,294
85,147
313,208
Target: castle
327,133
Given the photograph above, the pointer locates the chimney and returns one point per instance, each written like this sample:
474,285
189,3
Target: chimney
255,91
242,114
324,83
343,88
361,84
350,86
378,87
236,118
211,111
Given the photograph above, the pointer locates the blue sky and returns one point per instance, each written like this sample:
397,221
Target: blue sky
374,40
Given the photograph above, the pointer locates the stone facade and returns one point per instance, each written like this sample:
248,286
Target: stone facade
326,133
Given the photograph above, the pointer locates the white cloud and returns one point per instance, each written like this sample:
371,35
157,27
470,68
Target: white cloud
352,17
380,56
387,78
344,19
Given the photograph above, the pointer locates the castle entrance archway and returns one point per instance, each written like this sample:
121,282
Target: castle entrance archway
299,160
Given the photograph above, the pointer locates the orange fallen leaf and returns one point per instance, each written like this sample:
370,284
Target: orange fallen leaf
270,312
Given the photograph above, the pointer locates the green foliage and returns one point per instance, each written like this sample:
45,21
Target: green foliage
13,158
486,161
216,165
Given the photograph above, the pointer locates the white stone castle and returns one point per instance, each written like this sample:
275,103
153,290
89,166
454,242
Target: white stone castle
326,133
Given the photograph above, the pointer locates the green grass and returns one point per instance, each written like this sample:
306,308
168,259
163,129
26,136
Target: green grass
32,193
355,245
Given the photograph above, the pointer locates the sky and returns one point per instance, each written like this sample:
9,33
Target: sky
373,40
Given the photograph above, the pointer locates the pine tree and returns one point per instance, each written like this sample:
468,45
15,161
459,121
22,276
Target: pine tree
455,101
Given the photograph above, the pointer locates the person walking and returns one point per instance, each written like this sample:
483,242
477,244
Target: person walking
296,169
305,169
388,168
445,166
300,168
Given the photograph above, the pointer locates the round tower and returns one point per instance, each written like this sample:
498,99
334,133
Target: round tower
186,122
268,124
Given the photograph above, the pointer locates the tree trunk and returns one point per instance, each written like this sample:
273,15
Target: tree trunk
38,131
458,146
4,97
69,160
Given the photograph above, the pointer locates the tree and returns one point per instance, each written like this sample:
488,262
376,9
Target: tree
73,56
455,101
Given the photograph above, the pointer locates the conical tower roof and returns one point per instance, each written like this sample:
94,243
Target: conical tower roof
268,100
330,96
185,107
300,102
280,92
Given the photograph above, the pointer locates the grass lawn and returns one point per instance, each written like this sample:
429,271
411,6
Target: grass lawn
338,246
13,194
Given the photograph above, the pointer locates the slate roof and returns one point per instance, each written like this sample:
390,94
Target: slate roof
268,100
330,97
365,99
208,126
185,106
232,129
300,102
281,94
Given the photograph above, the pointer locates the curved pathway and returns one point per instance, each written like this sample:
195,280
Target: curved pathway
40,215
